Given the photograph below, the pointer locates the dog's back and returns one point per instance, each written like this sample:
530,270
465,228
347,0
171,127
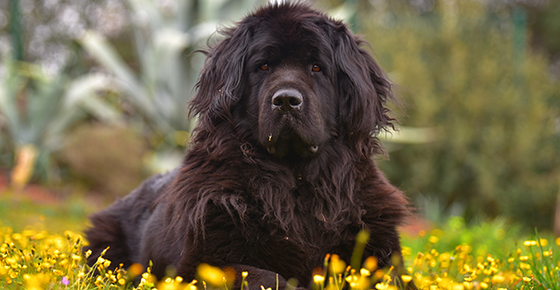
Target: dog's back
120,226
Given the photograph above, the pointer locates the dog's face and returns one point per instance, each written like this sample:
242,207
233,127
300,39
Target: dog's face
290,88
293,80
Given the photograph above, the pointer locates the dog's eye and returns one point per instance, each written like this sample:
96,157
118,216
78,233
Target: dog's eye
264,67
316,68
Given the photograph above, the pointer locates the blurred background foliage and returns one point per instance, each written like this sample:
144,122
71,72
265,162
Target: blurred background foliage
467,70
87,86
95,94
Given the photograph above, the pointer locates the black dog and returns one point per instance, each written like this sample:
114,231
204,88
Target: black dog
280,170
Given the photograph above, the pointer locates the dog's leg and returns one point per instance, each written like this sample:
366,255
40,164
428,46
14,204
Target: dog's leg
107,232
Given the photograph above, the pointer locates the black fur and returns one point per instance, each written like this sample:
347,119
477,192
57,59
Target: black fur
280,170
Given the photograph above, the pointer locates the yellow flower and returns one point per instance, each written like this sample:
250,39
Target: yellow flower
529,243
360,282
445,260
76,258
336,265
524,266
98,281
36,282
318,279
458,286
371,263
406,251
381,286
497,279
210,274
377,275
406,278
135,269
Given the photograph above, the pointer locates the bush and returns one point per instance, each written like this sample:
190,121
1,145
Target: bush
109,158
464,69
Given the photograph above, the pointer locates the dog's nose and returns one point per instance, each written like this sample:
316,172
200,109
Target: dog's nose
287,99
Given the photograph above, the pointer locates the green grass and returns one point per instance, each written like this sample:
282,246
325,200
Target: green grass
18,212
40,248
488,255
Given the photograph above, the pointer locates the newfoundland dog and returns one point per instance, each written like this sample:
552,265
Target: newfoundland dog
280,169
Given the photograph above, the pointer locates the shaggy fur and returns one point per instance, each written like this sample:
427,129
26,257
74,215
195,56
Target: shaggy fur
280,170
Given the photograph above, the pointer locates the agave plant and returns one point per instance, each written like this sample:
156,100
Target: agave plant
164,37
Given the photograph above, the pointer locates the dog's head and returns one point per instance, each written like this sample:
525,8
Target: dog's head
293,79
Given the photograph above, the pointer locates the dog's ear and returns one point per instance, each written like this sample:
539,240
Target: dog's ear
364,88
220,81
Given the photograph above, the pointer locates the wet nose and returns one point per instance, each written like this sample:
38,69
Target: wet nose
287,100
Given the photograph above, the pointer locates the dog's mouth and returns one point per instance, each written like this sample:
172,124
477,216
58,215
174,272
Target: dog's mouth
287,142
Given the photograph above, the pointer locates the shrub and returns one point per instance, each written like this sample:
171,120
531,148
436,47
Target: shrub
465,70
108,157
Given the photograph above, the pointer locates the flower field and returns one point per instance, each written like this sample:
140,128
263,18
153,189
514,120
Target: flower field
40,248
37,259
